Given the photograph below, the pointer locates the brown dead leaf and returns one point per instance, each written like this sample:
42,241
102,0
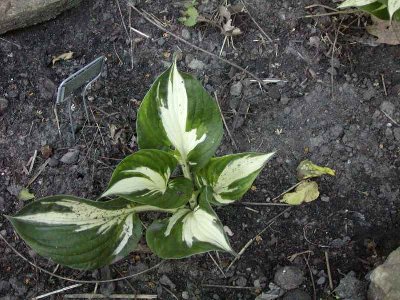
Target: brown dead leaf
65,56
387,32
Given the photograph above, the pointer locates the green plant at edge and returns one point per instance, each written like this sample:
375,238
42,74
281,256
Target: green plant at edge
382,9
190,15
178,126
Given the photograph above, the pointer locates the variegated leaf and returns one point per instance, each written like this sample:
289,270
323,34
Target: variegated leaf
79,233
177,114
231,176
144,177
188,232
393,6
356,3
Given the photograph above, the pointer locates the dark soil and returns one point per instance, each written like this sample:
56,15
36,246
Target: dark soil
334,120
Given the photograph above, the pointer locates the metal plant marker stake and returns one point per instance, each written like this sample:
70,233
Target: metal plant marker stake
84,77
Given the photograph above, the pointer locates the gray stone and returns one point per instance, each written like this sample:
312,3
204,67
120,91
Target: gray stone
385,279
53,162
388,107
70,157
274,293
241,281
321,280
185,34
19,288
396,133
185,295
164,280
274,92
350,288
47,88
289,277
3,105
296,294
236,89
4,286
196,64
16,14
2,207
285,100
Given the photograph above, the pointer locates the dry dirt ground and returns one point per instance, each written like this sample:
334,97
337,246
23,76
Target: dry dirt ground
341,110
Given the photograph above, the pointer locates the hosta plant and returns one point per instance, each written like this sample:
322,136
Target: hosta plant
178,127
382,9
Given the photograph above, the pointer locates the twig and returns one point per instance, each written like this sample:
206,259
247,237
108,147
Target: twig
78,280
251,209
41,169
57,120
11,42
122,19
390,118
113,296
226,126
139,32
270,222
320,5
333,13
263,204
33,159
145,16
228,286
170,292
255,23
328,269
57,291
288,190
219,268
312,278
332,57
384,85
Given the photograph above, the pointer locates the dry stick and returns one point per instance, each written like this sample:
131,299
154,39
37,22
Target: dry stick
113,296
332,57
11,42
333,13
77,280
226,126
122,19
255,22
194,46
264,204
57,291
312,279
288,190
320,5
390,118
57,120
170,292
270,222
41,168
219,268
328,269
384,85
228,286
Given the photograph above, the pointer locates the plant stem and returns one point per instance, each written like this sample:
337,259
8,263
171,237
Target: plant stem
186,170
193,200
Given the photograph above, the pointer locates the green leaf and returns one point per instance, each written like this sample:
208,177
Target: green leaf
178,114
143,177
356,3
307,169
231,176
79,233
188,232
306,191
25,195
189,17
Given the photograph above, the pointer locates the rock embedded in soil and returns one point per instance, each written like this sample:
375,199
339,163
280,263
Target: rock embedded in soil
296,294
388,107
196,64
385,279
16,14
236,89
350,288
396,133
289,277
70,157
185,34
3,105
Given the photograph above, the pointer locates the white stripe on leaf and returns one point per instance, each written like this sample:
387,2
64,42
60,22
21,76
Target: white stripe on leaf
237,169
174,114
126,233
174,218
201,226
81,214
152,181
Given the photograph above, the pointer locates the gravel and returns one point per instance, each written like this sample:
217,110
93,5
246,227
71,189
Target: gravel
236,89
350,288
388,107
196,64
296,294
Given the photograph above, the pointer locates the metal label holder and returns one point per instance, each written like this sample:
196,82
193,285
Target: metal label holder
83,77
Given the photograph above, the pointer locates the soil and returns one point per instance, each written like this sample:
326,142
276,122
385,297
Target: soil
339,110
